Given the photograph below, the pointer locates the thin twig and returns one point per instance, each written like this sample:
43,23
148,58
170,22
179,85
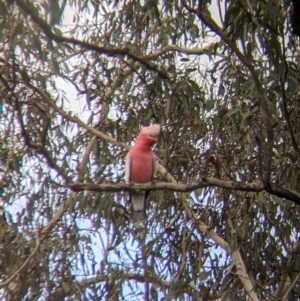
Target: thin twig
291,287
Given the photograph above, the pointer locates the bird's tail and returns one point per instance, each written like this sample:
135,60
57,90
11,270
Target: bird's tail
138,201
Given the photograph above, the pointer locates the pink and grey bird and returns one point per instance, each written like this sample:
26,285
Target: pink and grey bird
140,168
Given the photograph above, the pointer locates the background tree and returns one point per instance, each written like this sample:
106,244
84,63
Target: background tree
79,79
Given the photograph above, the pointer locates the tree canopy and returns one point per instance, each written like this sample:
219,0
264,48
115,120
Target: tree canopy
79,78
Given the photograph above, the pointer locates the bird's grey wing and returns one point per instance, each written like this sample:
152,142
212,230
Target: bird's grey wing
127,168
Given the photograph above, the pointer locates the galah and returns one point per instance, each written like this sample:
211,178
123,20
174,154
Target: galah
140,168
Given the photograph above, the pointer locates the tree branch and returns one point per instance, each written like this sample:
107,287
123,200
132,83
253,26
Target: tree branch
124,276
284,99
281,192
206,182
76,120
236,256
213,26
189,51
29,9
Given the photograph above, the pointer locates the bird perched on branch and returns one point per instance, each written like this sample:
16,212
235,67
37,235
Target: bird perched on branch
140,168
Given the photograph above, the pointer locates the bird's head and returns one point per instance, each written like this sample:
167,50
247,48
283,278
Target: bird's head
150,133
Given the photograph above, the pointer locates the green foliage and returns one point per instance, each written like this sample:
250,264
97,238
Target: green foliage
116,66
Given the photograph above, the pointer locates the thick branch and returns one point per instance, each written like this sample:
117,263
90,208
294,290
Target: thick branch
281,192
206,182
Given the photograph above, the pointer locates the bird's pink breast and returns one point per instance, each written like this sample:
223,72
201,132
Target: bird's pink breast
141,164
